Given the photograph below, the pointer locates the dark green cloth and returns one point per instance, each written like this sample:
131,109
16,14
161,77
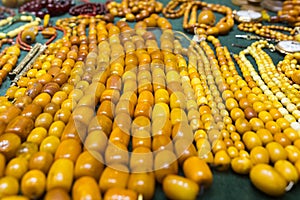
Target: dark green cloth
226,185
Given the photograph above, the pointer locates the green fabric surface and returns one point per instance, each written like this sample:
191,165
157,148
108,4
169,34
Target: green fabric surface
226,185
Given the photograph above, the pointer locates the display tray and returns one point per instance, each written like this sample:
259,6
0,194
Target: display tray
226,184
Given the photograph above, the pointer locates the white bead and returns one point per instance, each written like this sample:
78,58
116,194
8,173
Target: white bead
289,118
295,126
264,87
296,113
279,95
255,76
260,82
291,107
268,92
285,99
283,111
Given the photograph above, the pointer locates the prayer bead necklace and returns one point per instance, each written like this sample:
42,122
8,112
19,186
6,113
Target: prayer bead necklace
269,31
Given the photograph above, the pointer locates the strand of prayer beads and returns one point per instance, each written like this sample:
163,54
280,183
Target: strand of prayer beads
269,31
175,8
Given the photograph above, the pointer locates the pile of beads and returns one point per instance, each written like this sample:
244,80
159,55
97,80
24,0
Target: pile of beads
113,111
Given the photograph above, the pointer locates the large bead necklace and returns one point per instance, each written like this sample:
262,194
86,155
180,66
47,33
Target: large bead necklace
205,25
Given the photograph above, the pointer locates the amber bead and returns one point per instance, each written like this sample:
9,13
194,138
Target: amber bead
22,102
32,110
51,88
20,125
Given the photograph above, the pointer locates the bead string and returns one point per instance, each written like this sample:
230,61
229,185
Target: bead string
268,31
6,41
24,46
8,60
170,10
89,9
289,13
